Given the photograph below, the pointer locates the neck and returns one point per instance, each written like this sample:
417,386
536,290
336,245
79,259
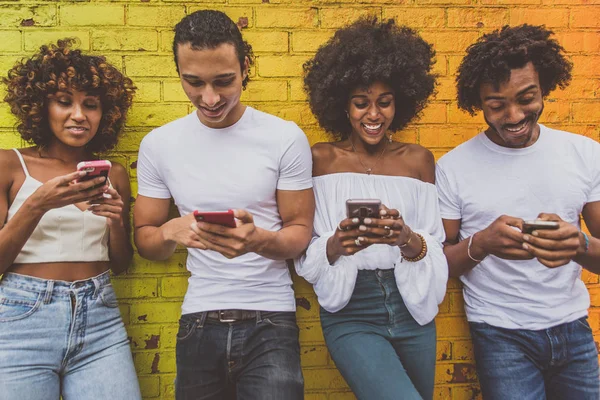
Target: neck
372,149
66,154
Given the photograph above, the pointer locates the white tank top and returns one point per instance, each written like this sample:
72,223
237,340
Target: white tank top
65,234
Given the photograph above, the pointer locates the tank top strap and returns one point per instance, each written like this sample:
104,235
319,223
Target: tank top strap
22,162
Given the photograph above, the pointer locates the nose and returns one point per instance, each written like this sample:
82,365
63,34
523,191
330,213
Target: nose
514,114
77,114
210,97
373,111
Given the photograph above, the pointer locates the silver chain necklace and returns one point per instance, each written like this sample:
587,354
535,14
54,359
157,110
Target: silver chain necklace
367,169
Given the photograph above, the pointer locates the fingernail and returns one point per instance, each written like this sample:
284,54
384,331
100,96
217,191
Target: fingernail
525,246
399,214
355,220
526,238
368,220
534,233
360,238
362,228
382,212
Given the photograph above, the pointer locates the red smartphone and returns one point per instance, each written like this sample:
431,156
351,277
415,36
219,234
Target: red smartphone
224,218
93,170
363,208
530,226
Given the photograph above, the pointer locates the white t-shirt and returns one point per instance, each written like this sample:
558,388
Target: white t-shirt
241,166
479,181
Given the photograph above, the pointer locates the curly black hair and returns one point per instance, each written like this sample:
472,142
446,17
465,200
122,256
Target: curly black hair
494,55
207,29
361,54
31,81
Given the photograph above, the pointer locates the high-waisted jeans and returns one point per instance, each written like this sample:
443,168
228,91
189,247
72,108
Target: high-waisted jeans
64,339
381,351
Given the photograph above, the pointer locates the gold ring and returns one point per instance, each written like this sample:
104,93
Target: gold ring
340,227
357,242
391,233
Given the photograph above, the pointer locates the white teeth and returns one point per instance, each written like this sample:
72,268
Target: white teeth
372,127
517,129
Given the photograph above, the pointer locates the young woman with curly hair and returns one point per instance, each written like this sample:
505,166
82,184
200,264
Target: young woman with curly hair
379,279
61,332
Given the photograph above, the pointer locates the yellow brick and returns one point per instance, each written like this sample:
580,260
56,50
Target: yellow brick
30,15
452,327
173,286
339,17
442,393
551,17
175,264
407,135
10,42
155,312
579,41
10,139
166,41
150,386
444,307
91,14
462,350
515,2
585,17
417,17
173,92
135,288
147,91
129,39
242,16
154,362
150,66
443,350
168,336
341,396
307,307
586,65
456,116
277,66
446,2
34,39
555,111
151,16
445,90
586,112
301,286
450,41
310,332
441,65
434,113
155,114
299,113
469,392
314,356
297,92
453,64
323,378
309,41
271,17
265,91
7,119
144,337
316,135
477,17
267,41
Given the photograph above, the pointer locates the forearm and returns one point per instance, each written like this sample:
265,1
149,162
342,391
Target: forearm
589,259
152,243
459,262
120,249
289,242
16,233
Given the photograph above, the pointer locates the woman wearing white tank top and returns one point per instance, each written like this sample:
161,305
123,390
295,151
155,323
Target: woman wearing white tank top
61,333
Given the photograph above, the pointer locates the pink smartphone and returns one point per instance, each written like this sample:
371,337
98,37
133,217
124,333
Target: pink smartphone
94,169
224,218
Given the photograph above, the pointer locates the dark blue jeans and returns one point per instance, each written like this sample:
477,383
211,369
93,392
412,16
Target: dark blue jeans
556,363
378,347
251,359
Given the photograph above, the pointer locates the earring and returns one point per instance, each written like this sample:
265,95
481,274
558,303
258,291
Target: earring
390,138
347,115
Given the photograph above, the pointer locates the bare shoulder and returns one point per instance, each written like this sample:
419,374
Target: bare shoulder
323,154
8,162
119,177
421,160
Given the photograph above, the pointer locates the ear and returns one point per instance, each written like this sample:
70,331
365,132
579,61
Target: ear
246,68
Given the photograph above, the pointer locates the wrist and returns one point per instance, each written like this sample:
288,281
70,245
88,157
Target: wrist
584,243
476,249
34,208
259,240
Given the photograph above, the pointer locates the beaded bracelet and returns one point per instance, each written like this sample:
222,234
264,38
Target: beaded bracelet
587,242
423,252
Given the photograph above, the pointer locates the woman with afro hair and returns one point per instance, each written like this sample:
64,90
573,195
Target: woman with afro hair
61,332
379,278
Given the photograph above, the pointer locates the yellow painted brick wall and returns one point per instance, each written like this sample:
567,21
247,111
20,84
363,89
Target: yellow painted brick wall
136,36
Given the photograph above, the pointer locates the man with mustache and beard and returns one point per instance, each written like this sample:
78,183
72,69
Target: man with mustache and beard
237,335
524,298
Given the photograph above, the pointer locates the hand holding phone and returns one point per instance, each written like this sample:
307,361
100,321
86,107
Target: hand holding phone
224,218
363,208
530,226
94,169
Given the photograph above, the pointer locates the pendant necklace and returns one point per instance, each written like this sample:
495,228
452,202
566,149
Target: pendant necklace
367,169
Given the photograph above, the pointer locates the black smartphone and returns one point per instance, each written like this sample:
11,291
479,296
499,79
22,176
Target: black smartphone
530,226
363,208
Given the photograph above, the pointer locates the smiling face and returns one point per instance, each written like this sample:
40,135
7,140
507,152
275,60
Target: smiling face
513,109
371,111
212,80
74,116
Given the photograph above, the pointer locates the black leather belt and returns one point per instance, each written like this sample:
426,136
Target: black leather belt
231,315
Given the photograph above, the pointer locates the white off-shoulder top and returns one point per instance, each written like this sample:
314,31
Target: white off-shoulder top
422,284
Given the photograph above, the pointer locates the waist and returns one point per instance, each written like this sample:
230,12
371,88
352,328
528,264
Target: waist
61,271
55,287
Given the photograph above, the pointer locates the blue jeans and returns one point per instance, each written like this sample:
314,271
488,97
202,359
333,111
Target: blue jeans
556,363
378,347
250,359
63,339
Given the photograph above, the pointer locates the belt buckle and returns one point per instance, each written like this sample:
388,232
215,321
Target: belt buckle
222,319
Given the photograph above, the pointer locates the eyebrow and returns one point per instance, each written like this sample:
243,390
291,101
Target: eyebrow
364,95
228,75
528,88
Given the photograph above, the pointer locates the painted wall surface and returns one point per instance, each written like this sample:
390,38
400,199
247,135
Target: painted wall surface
137,37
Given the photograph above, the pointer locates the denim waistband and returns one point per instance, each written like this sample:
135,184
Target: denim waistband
52,287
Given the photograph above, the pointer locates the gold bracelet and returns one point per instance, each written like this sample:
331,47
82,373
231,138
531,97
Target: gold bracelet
408,241
419,256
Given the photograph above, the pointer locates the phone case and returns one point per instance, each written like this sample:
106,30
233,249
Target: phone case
224,218
530,226
362,208
94,169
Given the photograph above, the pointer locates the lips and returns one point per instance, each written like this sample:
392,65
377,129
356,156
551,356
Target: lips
212,112
519,129
372,129
77,130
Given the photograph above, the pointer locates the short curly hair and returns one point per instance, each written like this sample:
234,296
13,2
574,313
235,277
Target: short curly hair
207,29
361,54
58,67
494,55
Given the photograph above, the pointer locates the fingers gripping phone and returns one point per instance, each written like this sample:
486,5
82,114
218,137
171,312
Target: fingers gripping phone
530,226
224,218
363,208
94,169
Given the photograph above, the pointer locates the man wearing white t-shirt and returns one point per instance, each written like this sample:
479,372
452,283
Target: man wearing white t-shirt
524,298
238,336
